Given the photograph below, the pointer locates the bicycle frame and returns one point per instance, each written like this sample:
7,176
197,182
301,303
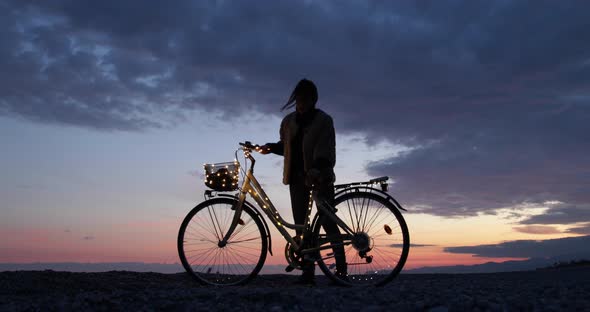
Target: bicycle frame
251,186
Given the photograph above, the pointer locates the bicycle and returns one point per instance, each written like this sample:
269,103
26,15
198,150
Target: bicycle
224,240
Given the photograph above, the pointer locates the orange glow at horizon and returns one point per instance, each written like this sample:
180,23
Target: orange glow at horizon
51,245
155,242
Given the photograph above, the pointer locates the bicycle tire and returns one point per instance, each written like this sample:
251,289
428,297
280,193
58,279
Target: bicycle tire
233,264
391,231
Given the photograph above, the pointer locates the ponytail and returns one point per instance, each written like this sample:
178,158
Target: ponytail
305,88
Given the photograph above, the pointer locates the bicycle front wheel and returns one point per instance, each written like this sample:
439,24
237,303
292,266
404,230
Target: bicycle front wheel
378,249
209,261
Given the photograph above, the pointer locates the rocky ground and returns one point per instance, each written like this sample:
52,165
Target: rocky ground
551,290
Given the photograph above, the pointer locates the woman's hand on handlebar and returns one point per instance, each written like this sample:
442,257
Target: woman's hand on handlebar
264,149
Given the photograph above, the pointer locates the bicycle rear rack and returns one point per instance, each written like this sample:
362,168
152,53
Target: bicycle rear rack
382,181
368,186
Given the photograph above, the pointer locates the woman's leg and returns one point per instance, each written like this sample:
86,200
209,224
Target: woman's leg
299,205
299,201
326,192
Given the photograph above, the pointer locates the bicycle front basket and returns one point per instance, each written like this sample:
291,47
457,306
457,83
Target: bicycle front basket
222,177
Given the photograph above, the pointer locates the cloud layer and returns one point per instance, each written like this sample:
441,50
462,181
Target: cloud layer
572,247
491,97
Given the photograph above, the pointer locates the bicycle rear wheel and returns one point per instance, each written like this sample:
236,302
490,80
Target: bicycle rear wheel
201,254
377,251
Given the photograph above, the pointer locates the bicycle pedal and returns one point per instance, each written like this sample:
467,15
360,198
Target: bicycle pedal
289,269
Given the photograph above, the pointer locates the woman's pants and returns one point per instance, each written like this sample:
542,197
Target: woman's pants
299,204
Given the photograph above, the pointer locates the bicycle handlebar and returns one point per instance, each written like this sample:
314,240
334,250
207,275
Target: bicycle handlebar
249,145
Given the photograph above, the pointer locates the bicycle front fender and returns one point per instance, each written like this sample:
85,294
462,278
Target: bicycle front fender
249,205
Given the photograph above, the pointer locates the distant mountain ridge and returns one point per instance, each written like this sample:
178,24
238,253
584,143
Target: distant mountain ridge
495,267
94,267
168,268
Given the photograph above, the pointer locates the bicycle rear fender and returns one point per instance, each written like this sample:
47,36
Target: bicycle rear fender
370,190
257,213
364,189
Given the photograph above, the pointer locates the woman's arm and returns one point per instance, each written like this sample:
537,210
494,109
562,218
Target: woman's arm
275,148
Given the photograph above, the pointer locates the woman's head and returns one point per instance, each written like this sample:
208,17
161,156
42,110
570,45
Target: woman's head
304,97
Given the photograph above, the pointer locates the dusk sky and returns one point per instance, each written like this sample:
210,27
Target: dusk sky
478,111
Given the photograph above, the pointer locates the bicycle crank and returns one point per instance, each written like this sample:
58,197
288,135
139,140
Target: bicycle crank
294,259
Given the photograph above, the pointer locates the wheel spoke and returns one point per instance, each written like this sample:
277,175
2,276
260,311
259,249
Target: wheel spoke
376,218
234,263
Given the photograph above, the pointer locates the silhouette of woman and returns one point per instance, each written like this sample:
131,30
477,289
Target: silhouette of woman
308,144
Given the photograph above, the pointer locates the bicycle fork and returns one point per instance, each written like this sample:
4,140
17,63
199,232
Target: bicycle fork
235,221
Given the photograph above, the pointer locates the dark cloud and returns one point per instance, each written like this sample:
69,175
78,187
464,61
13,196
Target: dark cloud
574,247
561,214
537,229
492,96
88,237
584,229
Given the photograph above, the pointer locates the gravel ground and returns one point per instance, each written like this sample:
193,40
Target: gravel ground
557,290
